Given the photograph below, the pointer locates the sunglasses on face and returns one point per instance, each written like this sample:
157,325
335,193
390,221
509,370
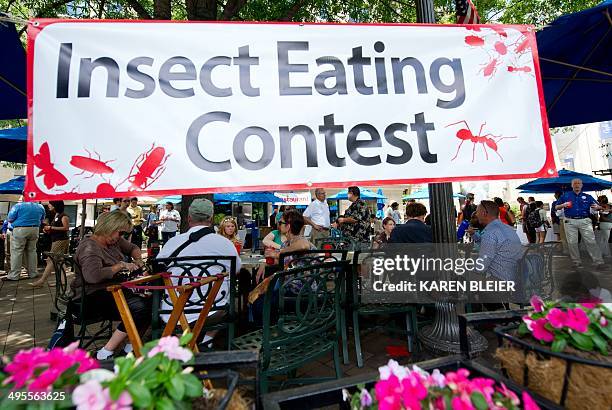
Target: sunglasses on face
282,223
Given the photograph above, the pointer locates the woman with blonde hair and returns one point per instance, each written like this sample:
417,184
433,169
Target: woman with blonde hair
101,257
229,229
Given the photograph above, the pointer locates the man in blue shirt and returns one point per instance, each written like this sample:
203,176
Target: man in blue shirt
26,218
577,207
500,246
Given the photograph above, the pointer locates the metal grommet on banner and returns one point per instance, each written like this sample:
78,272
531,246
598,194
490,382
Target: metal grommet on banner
32,194
309,183
36,23
551,171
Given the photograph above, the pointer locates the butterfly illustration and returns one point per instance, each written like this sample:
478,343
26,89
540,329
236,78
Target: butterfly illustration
52,177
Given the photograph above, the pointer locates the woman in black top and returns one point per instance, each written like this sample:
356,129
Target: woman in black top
58,230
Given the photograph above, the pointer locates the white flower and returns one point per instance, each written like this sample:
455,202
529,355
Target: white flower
394,368
345,395
98,375
438,378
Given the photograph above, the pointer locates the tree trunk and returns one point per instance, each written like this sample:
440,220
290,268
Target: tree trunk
201,10
185,203
162,10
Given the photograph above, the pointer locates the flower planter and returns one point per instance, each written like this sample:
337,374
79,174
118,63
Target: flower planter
573,379
330,393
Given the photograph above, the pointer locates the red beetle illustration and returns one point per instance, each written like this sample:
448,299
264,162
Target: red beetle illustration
465,134
149,167
523,45
474,41
490,68
52,177
91,165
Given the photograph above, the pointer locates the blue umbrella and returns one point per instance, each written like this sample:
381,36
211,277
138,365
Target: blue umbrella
564,183
13,142
424,194
13,186
13,97
576,66
364,193
247,197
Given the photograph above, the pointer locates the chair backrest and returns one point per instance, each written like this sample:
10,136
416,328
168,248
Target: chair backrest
311,257
535,271
63,293
336,243
200,267
361,259
306,301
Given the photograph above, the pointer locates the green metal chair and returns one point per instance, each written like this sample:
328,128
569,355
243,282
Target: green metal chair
300,321
61,264
360,309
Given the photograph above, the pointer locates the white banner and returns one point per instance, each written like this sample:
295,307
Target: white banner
126,108
294,198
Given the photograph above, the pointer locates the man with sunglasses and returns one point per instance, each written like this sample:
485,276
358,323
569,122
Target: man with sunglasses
317,216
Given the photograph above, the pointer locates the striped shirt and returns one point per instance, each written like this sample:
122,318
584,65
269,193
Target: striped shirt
500,250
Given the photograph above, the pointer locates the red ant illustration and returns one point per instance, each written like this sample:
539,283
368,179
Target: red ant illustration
150,166
88,164
501,48
465,134
490,68
52,176
523,46
474,41
524,69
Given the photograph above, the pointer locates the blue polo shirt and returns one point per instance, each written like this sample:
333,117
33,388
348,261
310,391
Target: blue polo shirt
581,204
26,214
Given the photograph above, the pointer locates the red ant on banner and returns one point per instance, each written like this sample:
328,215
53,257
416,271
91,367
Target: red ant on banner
465,134
150,166
91,165
52,177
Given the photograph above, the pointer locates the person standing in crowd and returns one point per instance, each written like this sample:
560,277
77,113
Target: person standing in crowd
170,220
532,221
7,230
554,217
355,224
503,212
381,239
272,218
116,204
468,209
605,225
26,218
58,230
577,206
135,212
124,205
500,247
522,210
151,227
541,230
394,213
317,216
414,230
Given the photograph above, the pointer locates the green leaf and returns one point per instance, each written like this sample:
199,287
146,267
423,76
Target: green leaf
479,401
164,403
146,367
140,394
193,385
115,390
523,329
607,330
186,338
176,387
581,341
559,345
601,344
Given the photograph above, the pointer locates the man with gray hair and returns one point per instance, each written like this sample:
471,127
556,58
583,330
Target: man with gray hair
200,220
317,216
577,207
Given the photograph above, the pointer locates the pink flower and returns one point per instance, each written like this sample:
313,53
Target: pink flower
169,345
22,367
603,321
509,393
528,403
557,318
462,402
365,398
540,332
589,305
577,320
45,380
124,402
413,391
388,393
537,303
89,396
437,378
